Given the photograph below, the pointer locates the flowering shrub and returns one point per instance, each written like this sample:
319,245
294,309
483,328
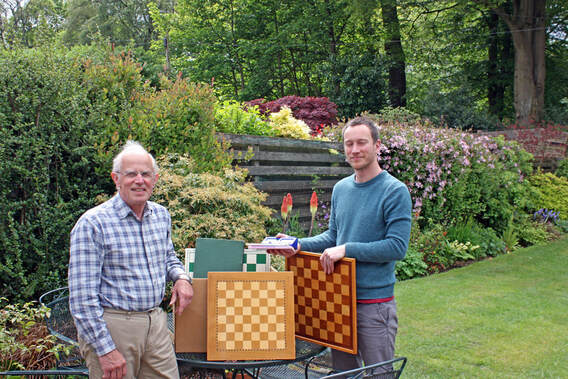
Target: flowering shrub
285,125
452,175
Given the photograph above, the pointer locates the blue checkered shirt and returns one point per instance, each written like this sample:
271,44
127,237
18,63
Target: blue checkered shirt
119,262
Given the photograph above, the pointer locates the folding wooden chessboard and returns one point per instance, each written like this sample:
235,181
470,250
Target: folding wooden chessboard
325,305
250,315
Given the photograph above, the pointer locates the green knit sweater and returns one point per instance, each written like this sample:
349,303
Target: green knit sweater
373,220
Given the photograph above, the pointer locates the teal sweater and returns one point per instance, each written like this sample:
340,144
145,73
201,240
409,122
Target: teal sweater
373,220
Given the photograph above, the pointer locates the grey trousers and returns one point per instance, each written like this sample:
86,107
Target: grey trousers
143,339
377,325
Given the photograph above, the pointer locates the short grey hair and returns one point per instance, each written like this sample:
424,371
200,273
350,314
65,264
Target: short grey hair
131,147
366,121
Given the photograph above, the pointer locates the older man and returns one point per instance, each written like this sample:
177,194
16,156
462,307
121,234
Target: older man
121,256
370,221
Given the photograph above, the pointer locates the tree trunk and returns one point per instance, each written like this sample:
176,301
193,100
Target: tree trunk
527,26
395,54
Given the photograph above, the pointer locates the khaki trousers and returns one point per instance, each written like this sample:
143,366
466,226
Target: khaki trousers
143,339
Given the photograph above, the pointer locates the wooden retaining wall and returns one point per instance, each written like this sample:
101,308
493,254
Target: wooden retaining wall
282,165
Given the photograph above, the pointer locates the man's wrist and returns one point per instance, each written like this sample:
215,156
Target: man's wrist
184,276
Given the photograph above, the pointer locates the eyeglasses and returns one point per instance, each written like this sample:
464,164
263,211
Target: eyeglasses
134,174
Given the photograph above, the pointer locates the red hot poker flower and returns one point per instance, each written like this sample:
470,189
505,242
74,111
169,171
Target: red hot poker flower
284,208
314,204
289,202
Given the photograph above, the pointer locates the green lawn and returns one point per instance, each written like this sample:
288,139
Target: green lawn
502,318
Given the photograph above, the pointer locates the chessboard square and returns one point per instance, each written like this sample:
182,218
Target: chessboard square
246,294
263,345
337,279
281,327
229,294
263,327
337,298
321,275
309,312
338,337
308,292
346,330
314,265
263,294
255,336
345,290
280,311
255,285
322,296
272,302
246,311
323,334
229,328
255,302
247,344
322,314
255,319
239,336
301,283
281,344
251,267
230,345
279,294
271,319
272,336
309,330
337,318
221,286
301,301
330,307
302,319
247,328
316,323
237,286
222,303
345,310
329,287
230,311
221,337
260,258
344,270
272,285
222,320
263,311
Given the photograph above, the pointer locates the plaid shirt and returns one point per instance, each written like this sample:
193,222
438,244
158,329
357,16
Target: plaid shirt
117,261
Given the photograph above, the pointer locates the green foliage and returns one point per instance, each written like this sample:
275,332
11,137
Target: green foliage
178,117
207,205
562,169
230,117
510,236
46,177
472,232
25,343
552,192
530,232
412,265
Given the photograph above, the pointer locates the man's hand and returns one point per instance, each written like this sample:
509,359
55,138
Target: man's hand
283,252
113,365
330,256
182,293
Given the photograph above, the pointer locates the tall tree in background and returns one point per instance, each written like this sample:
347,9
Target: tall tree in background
527,23
394,53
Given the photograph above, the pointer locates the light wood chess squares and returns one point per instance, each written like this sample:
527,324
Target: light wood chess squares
325,306
250,316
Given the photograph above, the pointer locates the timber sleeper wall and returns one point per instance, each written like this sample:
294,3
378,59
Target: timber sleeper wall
282,165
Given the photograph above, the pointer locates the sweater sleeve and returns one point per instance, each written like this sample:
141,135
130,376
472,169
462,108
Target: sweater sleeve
397,210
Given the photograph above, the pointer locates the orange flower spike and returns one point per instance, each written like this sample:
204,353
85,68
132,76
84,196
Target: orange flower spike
314,204
284,208
289,200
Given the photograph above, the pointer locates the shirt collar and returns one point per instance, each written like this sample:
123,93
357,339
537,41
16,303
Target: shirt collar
123,210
